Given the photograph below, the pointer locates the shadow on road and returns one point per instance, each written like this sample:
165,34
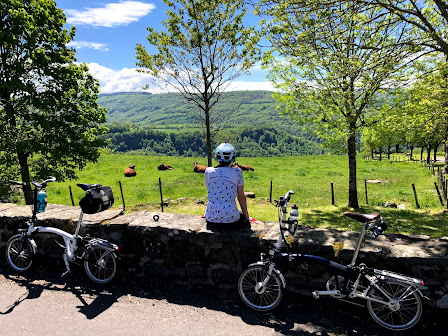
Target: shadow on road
296,315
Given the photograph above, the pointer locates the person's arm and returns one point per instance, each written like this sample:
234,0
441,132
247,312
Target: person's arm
242,200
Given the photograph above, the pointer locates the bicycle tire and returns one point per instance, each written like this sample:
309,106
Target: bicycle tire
261,299
100,264
19,253
408,312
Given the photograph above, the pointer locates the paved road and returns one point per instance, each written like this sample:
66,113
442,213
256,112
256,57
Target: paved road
41,303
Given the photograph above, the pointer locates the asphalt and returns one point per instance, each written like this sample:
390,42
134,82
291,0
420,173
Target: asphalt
42,303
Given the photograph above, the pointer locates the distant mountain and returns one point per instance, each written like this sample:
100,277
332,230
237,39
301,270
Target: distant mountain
169,110
165,124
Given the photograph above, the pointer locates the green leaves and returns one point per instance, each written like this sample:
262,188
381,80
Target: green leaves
48,108
204,48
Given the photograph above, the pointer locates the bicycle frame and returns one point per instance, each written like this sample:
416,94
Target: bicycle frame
70,240
350,273
393,300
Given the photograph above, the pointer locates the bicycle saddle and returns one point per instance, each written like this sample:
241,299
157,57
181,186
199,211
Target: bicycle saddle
86,186
362,218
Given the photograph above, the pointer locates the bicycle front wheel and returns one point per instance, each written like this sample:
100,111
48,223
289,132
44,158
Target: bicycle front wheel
256,295
19,253
100,264
404,314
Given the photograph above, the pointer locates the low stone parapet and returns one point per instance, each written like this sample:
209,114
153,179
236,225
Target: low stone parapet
180,248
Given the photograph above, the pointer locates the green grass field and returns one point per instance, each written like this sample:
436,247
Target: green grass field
309,176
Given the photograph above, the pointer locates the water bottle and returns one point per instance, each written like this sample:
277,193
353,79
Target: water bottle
294,214
41,201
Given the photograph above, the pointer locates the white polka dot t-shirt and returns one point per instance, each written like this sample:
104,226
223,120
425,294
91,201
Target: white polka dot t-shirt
222,185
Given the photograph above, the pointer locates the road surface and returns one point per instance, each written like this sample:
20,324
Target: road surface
41,303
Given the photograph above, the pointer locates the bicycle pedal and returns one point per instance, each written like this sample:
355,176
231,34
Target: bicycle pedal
317,294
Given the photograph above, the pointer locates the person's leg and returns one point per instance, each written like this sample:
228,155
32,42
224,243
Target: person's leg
224,226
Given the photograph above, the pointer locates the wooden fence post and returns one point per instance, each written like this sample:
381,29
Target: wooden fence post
365,187
71,195
122,196
332,193
438,193
415,196
160,190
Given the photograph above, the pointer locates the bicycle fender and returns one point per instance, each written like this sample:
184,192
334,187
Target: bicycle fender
280,275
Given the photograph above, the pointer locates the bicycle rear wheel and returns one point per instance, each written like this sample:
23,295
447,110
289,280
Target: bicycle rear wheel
404,315
100,264
19,253
254,294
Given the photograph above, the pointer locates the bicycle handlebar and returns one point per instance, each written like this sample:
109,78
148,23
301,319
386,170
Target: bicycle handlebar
38,185
17,183
284,199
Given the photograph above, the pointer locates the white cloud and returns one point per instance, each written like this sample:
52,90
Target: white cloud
124,80
129,80
111,15
85,44
251,86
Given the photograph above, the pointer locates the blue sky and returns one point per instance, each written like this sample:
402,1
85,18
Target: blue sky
107,32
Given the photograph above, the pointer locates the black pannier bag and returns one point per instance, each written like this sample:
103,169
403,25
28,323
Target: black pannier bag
97,200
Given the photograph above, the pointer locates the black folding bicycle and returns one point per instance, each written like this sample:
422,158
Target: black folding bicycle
393,300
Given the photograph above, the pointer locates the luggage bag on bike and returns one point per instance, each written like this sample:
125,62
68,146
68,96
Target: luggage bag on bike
97,200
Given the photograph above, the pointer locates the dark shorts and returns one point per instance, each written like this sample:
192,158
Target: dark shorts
228,226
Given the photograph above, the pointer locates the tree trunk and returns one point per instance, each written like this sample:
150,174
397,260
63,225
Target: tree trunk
446,156
381,153
428,156
412,151
21,155
397,148
208,135
388,152
25,174
435,152
351,151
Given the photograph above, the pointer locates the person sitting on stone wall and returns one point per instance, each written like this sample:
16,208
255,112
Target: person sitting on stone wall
224,185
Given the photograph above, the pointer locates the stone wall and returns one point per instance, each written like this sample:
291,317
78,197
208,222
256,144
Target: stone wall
180,248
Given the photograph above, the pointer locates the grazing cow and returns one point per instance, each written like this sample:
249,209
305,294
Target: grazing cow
130,171
244,167
232,165
164,166
199,168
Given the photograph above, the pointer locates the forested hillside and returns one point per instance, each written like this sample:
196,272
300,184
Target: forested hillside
165,124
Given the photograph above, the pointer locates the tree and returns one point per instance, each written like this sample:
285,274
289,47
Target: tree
428,20
204,48
335,62
49,117
428,103
428,23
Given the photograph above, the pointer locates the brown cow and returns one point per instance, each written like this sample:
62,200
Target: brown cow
130,171
244,167
164,166
199,168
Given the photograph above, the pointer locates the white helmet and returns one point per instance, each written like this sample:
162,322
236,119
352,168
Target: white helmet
225,152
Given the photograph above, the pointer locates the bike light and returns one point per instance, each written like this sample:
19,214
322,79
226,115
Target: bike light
117,248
